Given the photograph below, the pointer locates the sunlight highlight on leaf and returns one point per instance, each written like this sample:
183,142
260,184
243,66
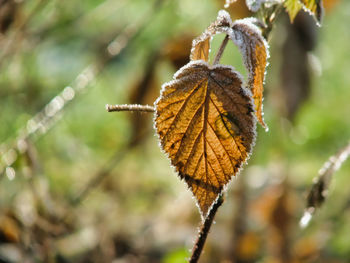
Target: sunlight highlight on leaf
292,7
314,7
206,124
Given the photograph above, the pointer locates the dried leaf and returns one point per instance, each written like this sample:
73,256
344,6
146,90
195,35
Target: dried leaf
247,36
201,45
205,123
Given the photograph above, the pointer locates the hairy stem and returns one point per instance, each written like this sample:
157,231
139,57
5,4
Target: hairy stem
130,107
204,231
221,50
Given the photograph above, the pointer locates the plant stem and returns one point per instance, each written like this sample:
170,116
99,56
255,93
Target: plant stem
204,231
221,50
130,107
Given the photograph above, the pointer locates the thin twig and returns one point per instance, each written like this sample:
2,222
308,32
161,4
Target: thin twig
130,107
319,189
204,231
221,50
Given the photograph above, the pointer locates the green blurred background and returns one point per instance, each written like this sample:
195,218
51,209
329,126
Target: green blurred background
79,184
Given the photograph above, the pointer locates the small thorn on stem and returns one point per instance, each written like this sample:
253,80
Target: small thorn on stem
130,107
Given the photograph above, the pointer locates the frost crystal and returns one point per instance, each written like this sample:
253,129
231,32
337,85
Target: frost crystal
246,34
254,5
223,19
201,45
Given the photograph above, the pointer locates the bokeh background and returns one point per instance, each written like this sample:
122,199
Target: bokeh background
78,184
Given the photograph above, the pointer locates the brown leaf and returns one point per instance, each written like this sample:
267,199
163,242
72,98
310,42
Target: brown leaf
247,36
205,122
201,45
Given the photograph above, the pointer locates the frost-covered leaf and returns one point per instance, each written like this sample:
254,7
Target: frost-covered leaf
314,7
247,36
206,125
254,5
201,45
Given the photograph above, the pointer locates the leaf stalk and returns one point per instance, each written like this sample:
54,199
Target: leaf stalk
221,50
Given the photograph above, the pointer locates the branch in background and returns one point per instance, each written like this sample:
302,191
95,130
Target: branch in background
204,231
319,189
15,40
41,122
130,107
107,168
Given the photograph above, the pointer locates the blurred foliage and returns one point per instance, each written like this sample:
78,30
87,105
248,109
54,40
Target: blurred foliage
92,186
